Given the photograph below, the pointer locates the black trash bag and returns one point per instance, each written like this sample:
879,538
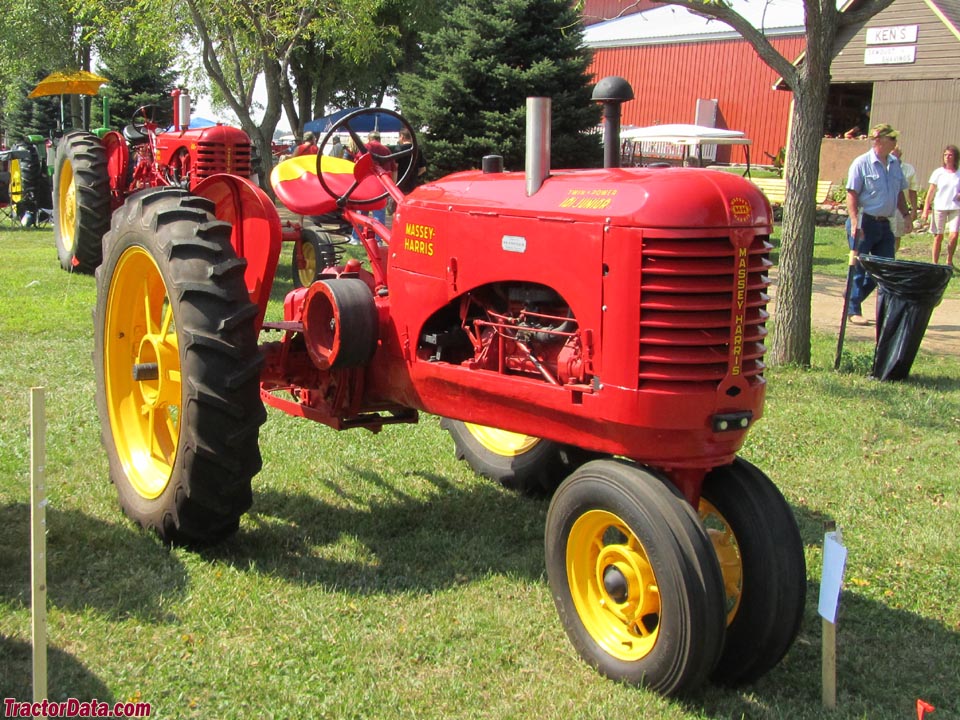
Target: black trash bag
909,291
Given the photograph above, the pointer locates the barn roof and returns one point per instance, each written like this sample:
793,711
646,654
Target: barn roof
673,24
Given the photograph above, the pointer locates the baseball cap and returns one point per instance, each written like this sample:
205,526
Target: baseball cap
884,130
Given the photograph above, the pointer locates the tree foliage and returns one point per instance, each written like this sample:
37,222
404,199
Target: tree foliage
809,79
479,67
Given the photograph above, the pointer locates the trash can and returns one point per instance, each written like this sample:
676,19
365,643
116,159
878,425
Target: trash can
909,291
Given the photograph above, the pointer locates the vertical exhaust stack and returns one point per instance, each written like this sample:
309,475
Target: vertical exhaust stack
612,92
181,109
538,143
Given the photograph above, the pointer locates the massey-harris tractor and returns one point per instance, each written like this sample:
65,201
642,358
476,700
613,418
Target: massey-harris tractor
94,176
597,330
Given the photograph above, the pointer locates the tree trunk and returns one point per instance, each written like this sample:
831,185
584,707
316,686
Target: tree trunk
791,337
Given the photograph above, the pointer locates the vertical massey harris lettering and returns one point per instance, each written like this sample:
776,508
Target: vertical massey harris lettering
740,314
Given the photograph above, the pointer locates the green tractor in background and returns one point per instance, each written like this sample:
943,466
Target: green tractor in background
25,188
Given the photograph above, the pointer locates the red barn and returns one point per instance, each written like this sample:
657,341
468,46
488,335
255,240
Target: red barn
686,68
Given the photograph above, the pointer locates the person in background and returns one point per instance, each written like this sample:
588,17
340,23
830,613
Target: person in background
875,186
901,225
419,165
335,148
308,146
378,149
943,193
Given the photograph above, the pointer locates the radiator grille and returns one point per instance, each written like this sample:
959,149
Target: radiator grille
688,293
213,158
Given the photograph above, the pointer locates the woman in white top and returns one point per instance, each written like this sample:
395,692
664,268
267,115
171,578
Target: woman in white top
944,192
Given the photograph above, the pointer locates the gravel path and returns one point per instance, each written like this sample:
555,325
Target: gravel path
942,335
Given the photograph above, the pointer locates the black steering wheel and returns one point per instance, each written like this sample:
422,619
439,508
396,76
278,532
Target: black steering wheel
146,116
347,122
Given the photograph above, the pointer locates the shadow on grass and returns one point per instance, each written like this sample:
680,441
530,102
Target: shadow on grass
66,676
461,535
405,543
112,568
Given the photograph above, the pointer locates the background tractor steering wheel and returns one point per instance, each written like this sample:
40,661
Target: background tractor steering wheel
146,116
345,123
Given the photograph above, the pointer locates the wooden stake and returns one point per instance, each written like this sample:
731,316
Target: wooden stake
829,669
38,541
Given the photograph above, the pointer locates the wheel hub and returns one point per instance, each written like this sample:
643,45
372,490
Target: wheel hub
615,583
158,388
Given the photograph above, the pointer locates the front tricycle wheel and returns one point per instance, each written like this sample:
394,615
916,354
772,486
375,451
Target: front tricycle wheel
177,368
634,577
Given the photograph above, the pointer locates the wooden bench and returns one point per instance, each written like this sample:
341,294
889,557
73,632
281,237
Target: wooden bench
776,190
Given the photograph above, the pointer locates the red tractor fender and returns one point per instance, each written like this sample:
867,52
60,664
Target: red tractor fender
118,160
256,235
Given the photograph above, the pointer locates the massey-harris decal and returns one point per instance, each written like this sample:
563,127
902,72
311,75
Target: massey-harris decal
740,209
419,239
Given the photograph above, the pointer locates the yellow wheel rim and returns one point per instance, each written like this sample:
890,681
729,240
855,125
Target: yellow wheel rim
309,270
67,206
140,338
16,180
502,442
728,554
613,585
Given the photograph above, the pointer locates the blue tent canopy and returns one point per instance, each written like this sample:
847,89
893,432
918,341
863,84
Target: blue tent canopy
381,122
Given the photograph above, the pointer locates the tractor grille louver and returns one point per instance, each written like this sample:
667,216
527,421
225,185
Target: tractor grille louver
688,292
213,158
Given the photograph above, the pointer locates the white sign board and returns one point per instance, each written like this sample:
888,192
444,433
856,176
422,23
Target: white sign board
834,563
890,55
897,35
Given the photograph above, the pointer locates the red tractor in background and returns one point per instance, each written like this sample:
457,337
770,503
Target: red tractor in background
597,334
94,176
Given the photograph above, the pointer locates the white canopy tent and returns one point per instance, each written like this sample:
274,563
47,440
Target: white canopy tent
680,141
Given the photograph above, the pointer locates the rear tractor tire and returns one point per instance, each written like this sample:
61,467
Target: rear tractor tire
81,206
177,368
634,577
524,463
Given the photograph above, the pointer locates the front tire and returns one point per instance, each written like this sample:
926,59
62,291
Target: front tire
177,368
634,577
81,207
760,552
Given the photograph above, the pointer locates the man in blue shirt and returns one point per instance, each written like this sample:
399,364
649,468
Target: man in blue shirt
875,188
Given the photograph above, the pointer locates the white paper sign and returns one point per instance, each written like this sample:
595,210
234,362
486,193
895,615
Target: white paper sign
834,563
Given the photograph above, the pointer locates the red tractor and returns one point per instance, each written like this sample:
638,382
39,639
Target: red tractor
595,333
94,176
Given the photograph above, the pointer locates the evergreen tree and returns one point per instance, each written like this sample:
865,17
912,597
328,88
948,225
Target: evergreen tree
137,78
478,69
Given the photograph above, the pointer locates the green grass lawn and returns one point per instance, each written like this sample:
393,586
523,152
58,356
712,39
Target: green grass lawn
376,577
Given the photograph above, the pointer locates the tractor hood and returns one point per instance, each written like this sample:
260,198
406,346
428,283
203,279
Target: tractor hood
634,197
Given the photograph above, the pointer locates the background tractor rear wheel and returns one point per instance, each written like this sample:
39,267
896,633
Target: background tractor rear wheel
524,463
318,254
634,577
177,368
761,557
81,208
34,186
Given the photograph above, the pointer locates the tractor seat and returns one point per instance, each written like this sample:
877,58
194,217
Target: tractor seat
297,186
134,136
